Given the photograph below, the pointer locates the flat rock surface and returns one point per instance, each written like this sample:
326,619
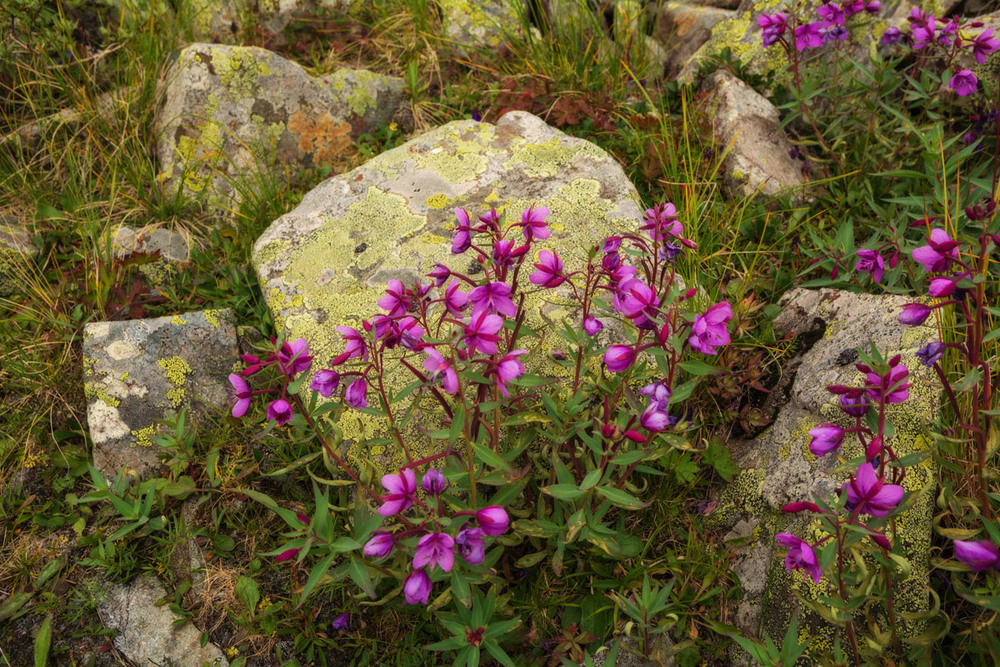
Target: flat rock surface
234,112
146,632
778,467
327,262
745,124
139,371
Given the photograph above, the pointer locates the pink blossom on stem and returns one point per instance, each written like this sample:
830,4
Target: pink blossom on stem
470,546
978,556
493,520
800,556
892,387
939,252
983,45
417,587
402,491
279,411
356,395
709,329
395,302
825,439
380,545
509,368
239,395
433,482
549,270
867,493
914,314
438,366
435,549
481,332
591,325
533,220
871,262
356,345
462,239
294,357
493,297
325,382
455,300
289,554
619,357
964,83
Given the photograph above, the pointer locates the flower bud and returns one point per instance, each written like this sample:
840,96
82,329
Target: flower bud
801,506
286,555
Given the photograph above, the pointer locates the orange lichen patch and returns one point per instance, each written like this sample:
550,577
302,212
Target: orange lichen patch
323,137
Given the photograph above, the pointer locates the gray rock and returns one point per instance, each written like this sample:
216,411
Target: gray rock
146,632
326,263
474,25
779,469
224,21
173,246
16,253
682,28
140,371
745,124
232,115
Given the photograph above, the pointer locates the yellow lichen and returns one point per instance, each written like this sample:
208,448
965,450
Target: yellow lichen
177,371
144,436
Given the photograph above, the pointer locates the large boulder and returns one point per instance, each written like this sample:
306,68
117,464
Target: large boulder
778,467
139,372
235,113
758,158
327,262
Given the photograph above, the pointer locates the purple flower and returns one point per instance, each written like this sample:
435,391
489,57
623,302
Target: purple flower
470,546
402,490
931,353
914,314
437,365
854,405
709,329
493,520
619,357
288,554
417,587
871,262
481,332
869,494
380,545
873,7
433,482
611,244
939,252
341,622
591,325
831,14
638,302
892,386
440,274
356,345
462,238
455,300
279,411
325,382
294,357
533,220
837,32
923,27
509,368
800,556
948,30
891,35
978,556
395,302
494,298
654,419
983,45
658,394
239,395
435,549
549,271
661,222
964,83
503,252
357,394
852,7
808,36
825,439
773,26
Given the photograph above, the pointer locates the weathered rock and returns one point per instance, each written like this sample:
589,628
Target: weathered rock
473,25
233,113
682,28
223,21
172,245
16,252
327,262
745,124
139,371
778,467
146,632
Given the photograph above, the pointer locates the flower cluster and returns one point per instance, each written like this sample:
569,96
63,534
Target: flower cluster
937,257
290,359
868,491
950,37
435,547
831,26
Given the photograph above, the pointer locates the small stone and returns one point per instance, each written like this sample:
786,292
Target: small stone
682,29
138,372
172,246
758,159
146,631
474,25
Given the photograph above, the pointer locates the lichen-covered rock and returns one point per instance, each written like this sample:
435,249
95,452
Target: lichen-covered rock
16,251
232,114
146,631
327,262
682,28
223,21
172,245
778,467
745,124
472,25
139,371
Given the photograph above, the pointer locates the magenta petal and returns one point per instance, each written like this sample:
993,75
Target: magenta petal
240,407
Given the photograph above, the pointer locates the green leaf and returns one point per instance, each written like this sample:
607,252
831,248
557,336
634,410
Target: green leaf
564,491
490,458
248,593
359,575
592,478
450,644
621,498
12,605
315,576
498,653
42,643
695,367
180,488
342,544
531,560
